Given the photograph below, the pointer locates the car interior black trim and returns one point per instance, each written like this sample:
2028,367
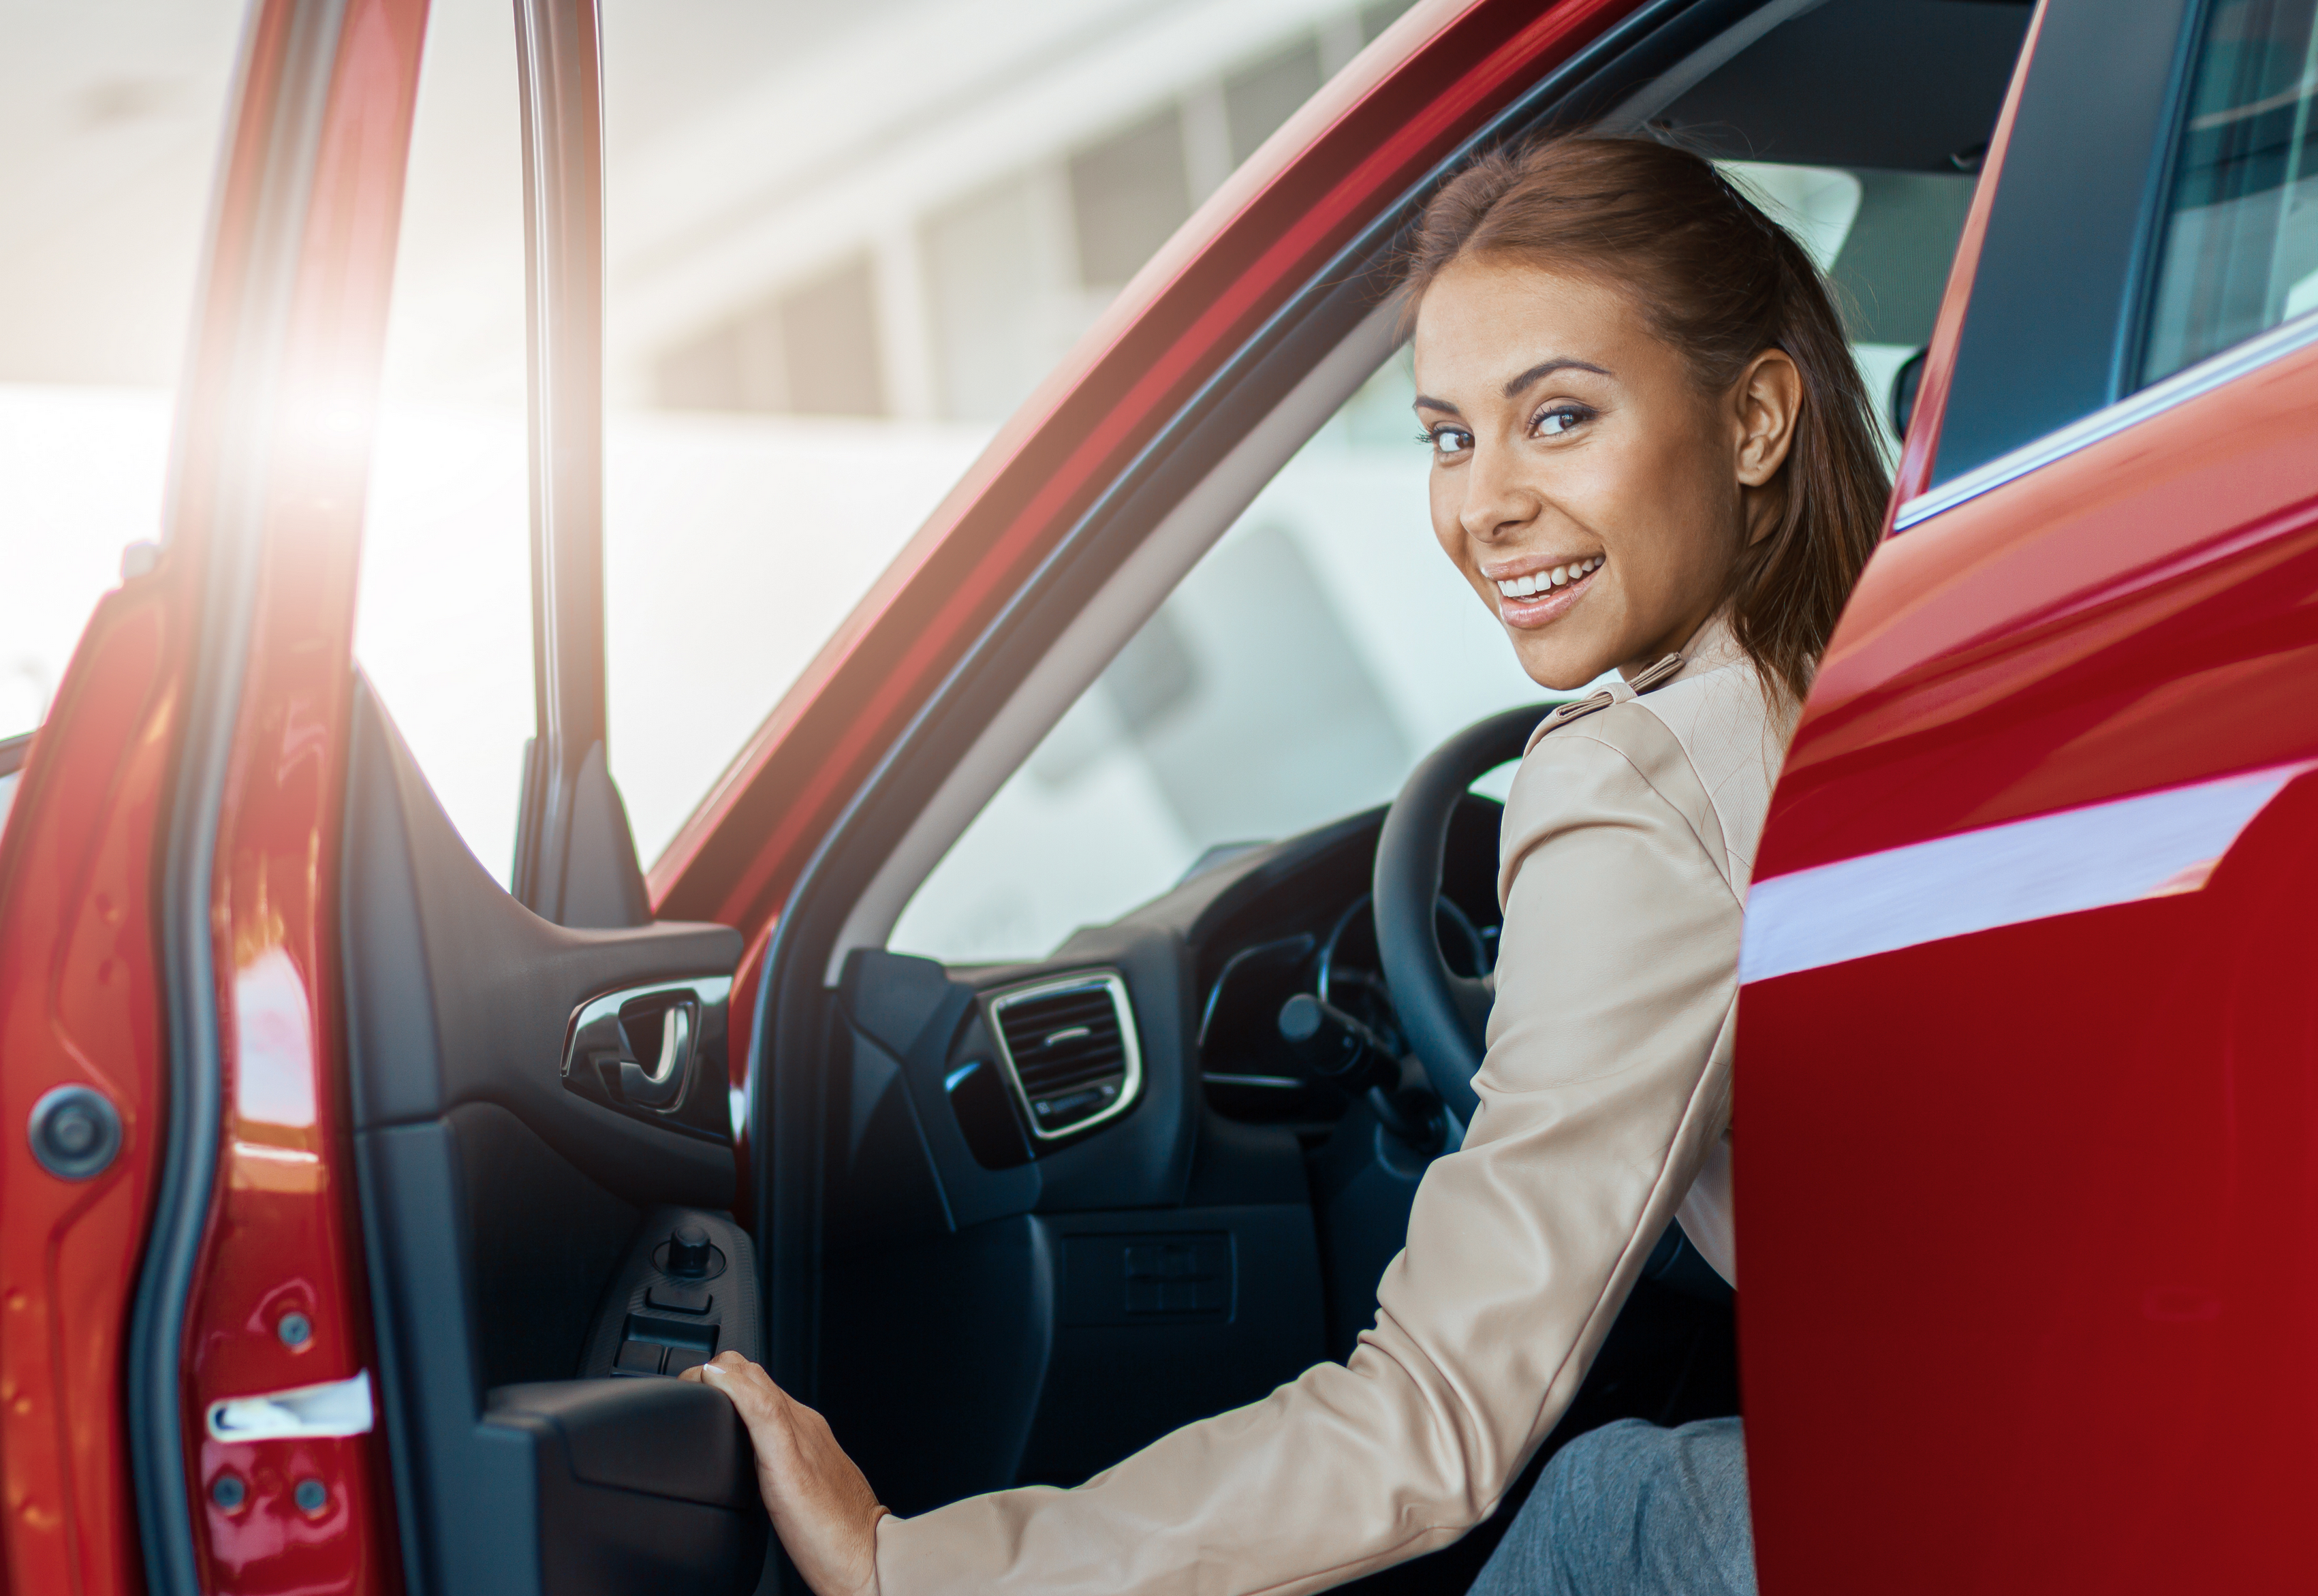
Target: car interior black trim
1890,86
505,983
516,1233
694,1308
575,855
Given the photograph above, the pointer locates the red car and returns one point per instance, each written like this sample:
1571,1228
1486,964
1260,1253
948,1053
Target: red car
364,1206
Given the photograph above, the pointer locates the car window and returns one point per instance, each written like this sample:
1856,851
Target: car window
1325,645
2238,251
110,119
1297,673
442,615
842,245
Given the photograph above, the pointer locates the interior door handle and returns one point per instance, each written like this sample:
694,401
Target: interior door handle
639,1048
663,1083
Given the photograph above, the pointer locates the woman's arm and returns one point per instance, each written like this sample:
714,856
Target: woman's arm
1606,1078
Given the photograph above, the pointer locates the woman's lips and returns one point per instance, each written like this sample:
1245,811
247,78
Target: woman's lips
1547,603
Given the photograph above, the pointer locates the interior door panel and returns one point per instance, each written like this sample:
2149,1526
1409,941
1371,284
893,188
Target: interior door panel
519,1227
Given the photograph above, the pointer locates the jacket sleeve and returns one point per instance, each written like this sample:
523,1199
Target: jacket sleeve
1605,1082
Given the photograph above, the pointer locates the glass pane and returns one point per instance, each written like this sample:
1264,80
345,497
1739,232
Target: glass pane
1323,645
2240,240
110,124
835,266
443,616
1297,674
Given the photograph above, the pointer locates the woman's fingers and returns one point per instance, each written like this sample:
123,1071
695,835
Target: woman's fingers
822,1504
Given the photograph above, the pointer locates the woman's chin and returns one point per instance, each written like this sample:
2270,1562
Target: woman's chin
1561,674
1562,659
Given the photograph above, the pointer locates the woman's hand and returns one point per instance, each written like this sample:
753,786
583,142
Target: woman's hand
822,1508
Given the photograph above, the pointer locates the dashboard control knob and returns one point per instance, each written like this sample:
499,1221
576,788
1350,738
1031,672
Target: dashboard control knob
1335,1046
689,1250
1340,1047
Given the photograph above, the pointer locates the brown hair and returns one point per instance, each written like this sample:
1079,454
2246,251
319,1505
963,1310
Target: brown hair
1722,283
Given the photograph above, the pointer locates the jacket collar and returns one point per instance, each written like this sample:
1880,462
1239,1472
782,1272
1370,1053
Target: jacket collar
1712,647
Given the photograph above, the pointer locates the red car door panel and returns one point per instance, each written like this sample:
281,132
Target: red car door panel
80,1006
2028,1066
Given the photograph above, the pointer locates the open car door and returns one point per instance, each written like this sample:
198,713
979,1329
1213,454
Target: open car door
435,1178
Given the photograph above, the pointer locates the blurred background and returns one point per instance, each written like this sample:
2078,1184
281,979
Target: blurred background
844,242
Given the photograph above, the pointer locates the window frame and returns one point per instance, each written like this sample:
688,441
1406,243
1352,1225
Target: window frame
2054,323
2030,273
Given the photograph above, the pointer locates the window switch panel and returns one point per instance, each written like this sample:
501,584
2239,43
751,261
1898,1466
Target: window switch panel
679,1299
639,1357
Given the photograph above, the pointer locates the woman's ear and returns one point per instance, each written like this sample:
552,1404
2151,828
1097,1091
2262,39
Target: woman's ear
1768,397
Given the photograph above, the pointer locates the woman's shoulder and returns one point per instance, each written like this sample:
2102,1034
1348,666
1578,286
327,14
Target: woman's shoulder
1614,779
1703,746
1609,763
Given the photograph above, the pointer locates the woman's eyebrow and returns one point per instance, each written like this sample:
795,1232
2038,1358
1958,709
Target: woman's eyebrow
1546,367
1426,401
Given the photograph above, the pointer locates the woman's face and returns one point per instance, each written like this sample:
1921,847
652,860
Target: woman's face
1577,462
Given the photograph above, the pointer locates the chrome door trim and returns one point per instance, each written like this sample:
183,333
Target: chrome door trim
2184,385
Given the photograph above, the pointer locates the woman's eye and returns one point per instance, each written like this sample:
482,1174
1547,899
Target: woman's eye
1558,420
1448,442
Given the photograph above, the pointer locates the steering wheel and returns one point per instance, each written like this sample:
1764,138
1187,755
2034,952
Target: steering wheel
1441,1014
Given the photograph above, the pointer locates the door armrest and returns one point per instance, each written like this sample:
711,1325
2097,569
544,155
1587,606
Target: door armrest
642,1485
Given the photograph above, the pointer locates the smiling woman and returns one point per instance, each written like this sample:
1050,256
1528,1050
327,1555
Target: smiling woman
1630,458
1651,453
1322,646
1537,280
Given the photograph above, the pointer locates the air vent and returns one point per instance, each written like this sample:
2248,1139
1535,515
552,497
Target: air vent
1070,1047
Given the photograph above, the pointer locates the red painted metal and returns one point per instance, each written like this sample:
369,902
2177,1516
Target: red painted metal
2031,1279
80,1005
79,978
1441,72
283,1236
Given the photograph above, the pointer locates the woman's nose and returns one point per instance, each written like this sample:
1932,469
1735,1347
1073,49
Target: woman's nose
1496,503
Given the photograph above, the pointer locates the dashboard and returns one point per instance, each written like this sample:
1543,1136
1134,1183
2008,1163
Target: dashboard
1300,921
1098,1190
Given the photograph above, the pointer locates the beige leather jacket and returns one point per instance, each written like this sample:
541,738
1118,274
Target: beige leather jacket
1605,1108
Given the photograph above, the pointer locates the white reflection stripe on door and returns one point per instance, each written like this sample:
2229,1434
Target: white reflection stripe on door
2145,846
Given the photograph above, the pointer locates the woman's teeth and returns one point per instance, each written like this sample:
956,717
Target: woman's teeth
1560,576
